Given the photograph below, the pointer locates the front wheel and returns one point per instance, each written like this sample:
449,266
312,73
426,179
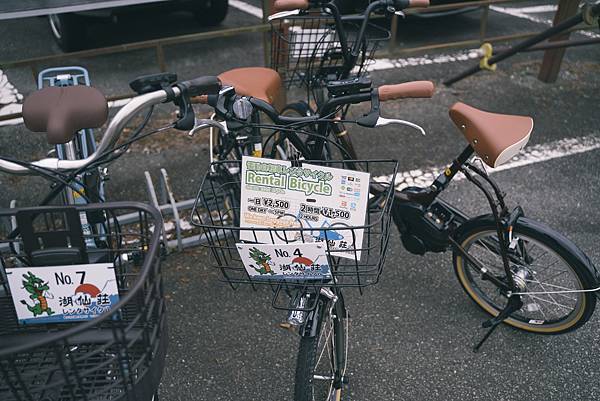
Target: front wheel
321,363
545,263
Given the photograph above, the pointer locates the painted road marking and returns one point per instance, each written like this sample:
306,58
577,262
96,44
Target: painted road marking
520,13
550,8
9,96
247,8
386,63
531,155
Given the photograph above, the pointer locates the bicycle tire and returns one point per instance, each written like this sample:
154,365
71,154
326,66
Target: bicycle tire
531,317
331,336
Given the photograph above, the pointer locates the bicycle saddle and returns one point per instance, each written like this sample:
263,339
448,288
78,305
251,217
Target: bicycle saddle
259,82
62,111
496,138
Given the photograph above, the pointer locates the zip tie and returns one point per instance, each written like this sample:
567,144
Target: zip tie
487,52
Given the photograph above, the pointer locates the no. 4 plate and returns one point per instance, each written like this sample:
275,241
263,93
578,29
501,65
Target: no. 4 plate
281,262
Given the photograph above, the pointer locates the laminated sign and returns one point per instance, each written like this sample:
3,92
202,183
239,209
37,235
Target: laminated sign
321,202
276,262
58,294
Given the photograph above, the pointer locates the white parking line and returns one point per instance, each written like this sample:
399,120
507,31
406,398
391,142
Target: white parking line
531,155
538,9
9,96
386,63
247,8
520,13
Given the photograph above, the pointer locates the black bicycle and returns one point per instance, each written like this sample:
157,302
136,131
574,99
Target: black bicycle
517,270
104,337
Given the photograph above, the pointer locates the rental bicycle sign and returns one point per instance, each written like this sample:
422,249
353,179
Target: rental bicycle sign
323,203
58,294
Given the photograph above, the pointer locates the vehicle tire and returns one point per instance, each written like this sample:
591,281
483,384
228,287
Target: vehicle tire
547,260
320,356
210,12
69,31
286,150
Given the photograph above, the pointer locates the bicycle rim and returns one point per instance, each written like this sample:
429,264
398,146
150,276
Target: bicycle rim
319,359
542,269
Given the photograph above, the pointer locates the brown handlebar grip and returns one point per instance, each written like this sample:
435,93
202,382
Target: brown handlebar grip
413,89
289,5
418,3
202,99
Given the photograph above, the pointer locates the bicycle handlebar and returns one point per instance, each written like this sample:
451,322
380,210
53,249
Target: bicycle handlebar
290,5
415,89
192,87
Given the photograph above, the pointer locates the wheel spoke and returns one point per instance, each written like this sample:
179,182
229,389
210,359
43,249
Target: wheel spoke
548,272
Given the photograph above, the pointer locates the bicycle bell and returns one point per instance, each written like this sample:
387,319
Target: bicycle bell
242,108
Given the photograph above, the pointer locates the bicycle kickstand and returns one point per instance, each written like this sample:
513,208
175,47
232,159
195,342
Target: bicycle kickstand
514,304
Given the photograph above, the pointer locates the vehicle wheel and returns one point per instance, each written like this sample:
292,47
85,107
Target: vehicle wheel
210,12
545,261
321,356
286,149
69,31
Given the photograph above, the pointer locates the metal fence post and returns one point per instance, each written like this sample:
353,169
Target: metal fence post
267,6
483,23
553,58
160,57
394,37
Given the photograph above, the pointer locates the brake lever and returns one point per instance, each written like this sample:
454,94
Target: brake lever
207,123
381,121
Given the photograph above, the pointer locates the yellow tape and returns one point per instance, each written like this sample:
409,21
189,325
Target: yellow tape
487,50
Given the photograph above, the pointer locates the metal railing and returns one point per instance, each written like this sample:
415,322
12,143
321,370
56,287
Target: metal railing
158,45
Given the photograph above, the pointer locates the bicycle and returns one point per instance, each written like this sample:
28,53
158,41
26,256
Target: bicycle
427,223
75,329
119,353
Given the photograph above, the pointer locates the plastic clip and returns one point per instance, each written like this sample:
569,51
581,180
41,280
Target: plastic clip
487,52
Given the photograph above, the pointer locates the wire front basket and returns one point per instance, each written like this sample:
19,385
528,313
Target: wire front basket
358,264
308,48
119,351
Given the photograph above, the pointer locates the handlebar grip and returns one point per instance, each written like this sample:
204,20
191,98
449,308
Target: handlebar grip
289,5
418,3
201,86
404,4
202,99
414,89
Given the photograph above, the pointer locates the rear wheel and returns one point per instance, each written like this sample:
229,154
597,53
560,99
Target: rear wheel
321,359
542,261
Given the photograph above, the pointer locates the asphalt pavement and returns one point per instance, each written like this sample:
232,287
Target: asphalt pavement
411,335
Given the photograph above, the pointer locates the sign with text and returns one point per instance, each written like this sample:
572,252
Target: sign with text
291,261
322,201
59,294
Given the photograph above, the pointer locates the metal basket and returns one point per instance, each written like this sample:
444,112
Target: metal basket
119,354
306,48
217,211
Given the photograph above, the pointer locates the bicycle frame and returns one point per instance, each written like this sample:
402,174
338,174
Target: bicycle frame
80,147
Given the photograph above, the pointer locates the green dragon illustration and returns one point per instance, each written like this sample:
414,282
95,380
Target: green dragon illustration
36,287
261,259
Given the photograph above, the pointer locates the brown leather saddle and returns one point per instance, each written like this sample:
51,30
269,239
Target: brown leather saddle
259,82
61,112
496,138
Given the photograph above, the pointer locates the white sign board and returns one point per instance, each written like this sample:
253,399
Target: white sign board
277,262
323,201
58,294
